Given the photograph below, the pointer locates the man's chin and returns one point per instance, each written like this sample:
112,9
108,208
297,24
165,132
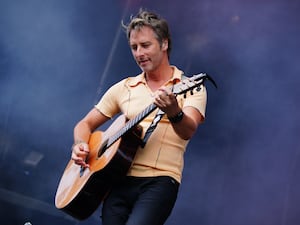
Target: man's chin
145,69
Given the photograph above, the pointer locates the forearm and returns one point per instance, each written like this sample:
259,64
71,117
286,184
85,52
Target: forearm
87,125
82,132
185,124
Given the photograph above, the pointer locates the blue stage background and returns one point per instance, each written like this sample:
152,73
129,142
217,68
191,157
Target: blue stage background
58,57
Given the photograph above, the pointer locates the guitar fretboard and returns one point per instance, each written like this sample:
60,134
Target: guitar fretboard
131,123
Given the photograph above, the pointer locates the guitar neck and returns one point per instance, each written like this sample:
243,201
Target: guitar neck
131,123
180,88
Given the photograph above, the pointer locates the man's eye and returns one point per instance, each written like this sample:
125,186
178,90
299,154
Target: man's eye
146,45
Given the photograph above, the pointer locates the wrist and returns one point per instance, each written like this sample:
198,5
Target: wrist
177,118
76,142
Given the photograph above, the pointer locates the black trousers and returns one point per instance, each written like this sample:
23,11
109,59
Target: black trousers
140,201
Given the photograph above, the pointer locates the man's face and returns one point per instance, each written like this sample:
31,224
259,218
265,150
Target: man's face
146,49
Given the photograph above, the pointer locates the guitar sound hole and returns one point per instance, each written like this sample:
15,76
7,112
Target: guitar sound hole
102,149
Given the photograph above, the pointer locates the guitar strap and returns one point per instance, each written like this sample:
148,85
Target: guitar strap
152,126
155,121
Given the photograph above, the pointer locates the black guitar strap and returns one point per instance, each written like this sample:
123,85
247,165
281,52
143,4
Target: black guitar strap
155,121
152,126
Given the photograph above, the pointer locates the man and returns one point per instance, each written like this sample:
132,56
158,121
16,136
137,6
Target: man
148,193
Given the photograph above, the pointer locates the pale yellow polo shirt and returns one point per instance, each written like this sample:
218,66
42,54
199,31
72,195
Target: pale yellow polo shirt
164,151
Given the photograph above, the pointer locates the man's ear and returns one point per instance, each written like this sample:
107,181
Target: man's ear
165,45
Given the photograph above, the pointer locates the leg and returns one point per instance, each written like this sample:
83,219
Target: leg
142,201
155,202
118,204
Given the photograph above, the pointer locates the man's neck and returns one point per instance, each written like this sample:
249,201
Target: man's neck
155,79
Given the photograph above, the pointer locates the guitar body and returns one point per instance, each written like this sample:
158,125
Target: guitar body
81,191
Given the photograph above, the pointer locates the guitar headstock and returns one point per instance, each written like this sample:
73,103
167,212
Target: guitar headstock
191,83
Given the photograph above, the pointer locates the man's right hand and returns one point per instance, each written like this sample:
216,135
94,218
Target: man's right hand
80,152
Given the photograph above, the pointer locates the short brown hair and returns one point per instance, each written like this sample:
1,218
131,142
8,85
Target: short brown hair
152,20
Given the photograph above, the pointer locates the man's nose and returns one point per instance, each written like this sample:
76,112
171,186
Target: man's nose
139,51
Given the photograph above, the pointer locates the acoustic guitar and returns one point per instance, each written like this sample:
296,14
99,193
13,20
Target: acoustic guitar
81,190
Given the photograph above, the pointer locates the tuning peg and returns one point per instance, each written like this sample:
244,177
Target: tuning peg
198,88
184,95
191,91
